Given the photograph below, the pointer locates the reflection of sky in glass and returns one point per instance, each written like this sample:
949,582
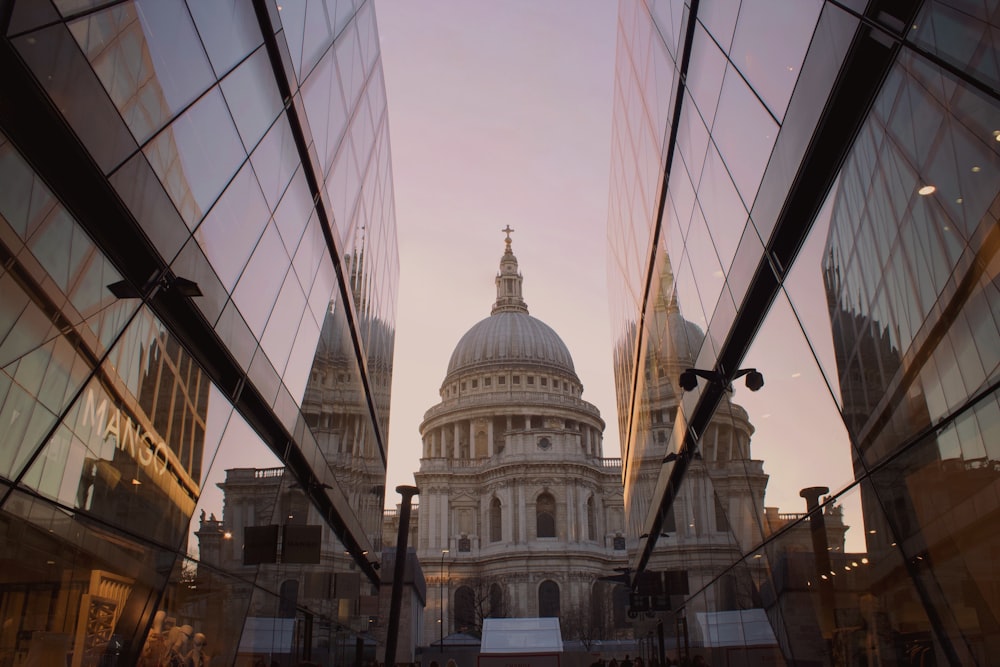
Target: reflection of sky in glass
230,231
238,446
770,44
197,154
182,70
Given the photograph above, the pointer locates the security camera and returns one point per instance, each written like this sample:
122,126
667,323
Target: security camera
688,380
754,380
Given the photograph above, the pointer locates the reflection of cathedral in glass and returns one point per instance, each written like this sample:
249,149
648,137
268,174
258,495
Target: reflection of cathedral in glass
828,205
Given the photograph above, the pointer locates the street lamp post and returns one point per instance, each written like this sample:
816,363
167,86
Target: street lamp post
441,603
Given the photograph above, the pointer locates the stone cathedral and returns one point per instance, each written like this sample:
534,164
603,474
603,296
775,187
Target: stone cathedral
520,513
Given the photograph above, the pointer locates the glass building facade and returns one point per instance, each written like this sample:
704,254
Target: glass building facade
198,279
810,189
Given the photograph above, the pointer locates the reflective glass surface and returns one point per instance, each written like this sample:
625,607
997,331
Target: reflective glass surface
839,508
182,351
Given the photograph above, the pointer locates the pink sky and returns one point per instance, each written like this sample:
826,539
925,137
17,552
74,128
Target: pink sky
499,113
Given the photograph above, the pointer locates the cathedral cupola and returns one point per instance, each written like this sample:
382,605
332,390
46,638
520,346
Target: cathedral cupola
509,283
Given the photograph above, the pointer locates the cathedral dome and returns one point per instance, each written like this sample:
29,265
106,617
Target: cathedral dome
510,336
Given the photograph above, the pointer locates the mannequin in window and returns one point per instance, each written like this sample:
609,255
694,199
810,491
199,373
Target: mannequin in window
197,657
179,642
156,642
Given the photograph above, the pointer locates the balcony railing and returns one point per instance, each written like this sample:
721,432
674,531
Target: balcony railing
525,398
438,464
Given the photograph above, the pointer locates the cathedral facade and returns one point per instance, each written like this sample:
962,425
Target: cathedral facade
520,512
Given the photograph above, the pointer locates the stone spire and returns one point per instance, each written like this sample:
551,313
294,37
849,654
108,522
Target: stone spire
509,283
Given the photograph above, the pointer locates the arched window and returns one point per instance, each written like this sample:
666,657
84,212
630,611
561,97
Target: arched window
545,515
591,519
496,521
548,599
498,609
465,609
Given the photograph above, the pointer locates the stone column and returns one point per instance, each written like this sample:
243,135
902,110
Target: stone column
454,445
522,536
489,438
572,515
508,514
443,529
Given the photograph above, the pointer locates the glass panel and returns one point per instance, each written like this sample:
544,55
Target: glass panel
340,420
744,133
704,78
150,74
719,18
131,448
785,439
72,589
294,211
197,155
253,98
56,62
275,160
964,34
229,31
723,210
149,203
772,66
25,200
233,227
284,322
258,287
692,142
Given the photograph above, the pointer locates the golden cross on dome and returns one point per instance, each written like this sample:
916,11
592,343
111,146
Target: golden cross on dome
507,230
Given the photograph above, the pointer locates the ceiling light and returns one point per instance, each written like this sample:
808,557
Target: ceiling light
976,170
926,190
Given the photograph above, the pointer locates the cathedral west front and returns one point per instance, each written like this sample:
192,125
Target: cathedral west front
520,512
